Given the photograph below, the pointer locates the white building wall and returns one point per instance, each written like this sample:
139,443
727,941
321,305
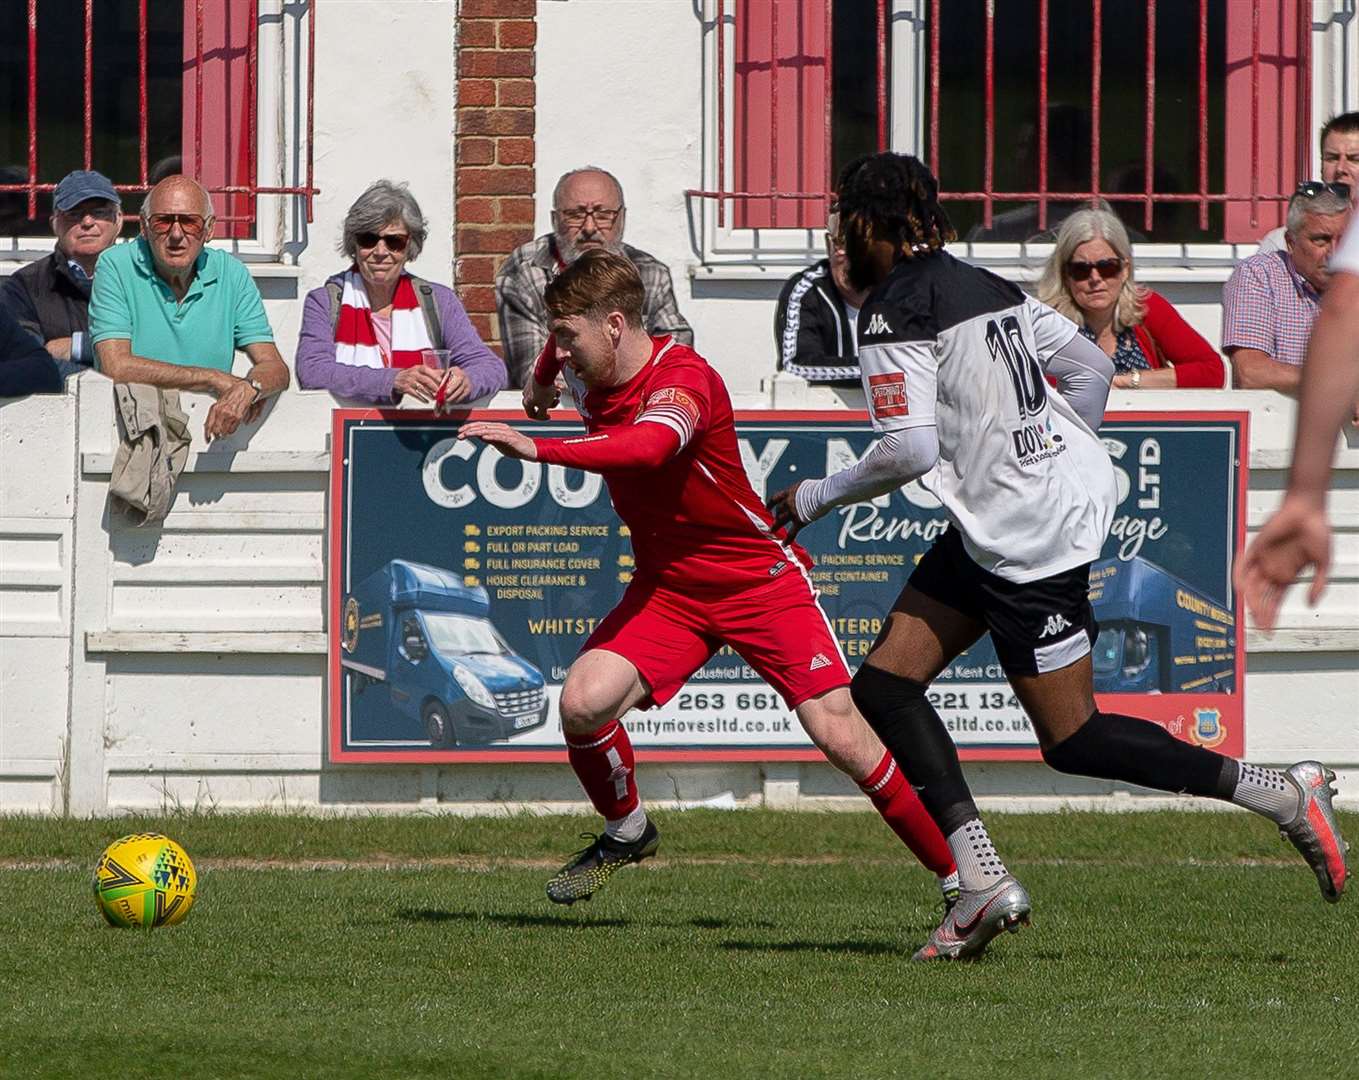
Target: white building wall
183,665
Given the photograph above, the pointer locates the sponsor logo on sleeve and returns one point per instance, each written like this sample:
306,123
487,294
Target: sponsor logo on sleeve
676,397
887,394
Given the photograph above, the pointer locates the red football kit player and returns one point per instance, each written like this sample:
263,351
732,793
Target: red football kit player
711,570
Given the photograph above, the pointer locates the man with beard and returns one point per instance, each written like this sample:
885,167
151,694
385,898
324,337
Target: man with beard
588,213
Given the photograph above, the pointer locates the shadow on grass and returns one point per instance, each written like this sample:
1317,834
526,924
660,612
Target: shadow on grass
862,948
517,920
523,920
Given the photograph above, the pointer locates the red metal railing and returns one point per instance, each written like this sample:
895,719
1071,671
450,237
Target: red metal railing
32,187
1250,194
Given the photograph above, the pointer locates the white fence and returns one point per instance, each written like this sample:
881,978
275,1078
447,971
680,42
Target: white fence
183,665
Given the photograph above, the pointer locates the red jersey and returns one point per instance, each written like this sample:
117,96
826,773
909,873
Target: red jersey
697,525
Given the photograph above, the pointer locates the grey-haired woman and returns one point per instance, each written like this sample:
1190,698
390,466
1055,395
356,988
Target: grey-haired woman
366,332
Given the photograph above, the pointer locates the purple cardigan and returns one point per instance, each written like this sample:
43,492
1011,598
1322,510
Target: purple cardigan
317,368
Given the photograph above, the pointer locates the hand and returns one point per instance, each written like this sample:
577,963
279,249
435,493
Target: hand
59,348
1296,537
504,438
538,399
783,505
420,382
1123,381
235,405
453,388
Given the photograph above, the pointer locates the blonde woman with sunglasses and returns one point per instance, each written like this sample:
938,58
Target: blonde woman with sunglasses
1089,279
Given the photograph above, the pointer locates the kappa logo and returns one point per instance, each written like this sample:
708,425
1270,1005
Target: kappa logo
1055,625
819,661
877,325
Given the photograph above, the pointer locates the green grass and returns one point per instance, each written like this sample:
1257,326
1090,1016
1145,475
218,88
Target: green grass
759,944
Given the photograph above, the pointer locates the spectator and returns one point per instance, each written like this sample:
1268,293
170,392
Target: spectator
364,330
587,212
51,297
168,312
1271,299
1089,279
25,366
816,319
1339,165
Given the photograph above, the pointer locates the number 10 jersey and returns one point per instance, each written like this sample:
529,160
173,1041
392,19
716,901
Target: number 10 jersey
1027,484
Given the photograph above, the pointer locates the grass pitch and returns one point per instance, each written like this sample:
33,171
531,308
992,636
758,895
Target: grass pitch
758,944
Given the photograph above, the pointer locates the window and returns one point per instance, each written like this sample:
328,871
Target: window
165,93
1162,119
783,130
1191,119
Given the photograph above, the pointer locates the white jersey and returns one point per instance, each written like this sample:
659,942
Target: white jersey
1029,487
1346,256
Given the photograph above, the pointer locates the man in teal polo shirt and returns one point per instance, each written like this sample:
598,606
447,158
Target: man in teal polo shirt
169,312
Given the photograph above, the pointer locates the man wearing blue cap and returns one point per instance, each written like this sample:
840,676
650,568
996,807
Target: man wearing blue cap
50,298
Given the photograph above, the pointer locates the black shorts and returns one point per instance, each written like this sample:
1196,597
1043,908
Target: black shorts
1036,626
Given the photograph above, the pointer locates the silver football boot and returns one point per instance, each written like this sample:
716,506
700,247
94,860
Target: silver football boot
977,917
1314,831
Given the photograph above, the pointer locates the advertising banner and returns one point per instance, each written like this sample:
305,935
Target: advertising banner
462,584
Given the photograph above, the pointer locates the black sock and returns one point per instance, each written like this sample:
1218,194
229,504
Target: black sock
1115,747
897,709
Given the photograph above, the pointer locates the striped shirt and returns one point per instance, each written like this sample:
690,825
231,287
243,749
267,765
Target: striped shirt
519,287
1267,305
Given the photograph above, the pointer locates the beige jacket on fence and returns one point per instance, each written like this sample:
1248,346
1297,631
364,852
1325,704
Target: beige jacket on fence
154,434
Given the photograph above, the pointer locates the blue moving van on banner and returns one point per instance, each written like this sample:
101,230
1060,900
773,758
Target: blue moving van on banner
424,637
1158,634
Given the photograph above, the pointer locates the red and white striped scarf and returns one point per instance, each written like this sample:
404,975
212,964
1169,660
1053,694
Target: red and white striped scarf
356,342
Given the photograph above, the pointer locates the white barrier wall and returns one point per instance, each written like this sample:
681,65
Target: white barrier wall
182,665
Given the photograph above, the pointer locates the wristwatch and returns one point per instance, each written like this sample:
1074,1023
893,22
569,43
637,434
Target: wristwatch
1136,379
259,390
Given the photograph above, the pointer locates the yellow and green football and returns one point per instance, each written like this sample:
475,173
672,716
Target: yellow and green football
144,880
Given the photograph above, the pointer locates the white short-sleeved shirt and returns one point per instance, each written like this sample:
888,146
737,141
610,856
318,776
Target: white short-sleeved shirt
1029,487
1346,257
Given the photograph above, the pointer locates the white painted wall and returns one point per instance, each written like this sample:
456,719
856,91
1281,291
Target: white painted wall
636,72
183,665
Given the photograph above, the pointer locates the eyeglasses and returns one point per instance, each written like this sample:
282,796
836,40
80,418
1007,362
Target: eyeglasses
101,213
192,224
1310,189
396,242
1105,268
577,216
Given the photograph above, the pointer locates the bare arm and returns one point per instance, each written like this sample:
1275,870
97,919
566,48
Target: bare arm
268,367
1256,370
1329,388
116,360
1298,536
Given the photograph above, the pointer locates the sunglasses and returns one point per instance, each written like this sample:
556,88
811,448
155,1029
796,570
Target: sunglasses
192,224
1105,268
395,241
1310,189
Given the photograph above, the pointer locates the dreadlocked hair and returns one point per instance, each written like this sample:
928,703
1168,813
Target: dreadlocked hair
896,198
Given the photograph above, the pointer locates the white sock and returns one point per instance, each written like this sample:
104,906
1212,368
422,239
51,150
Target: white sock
628,828
979,865
949,883
1266,791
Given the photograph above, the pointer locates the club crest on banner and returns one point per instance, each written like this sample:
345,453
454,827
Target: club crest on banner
1208,729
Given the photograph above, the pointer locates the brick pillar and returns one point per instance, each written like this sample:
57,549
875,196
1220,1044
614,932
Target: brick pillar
494,148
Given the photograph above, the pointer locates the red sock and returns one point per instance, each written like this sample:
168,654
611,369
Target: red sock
604,764
897,802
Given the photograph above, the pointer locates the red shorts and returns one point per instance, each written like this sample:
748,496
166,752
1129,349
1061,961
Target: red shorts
778,629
